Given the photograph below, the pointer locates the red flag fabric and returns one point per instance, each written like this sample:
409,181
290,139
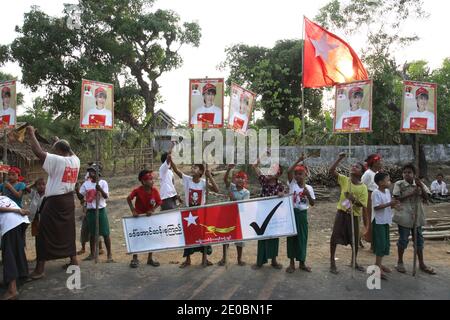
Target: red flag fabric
328,60
97,119
222,223
418,123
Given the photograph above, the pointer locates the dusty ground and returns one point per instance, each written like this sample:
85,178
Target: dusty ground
118,281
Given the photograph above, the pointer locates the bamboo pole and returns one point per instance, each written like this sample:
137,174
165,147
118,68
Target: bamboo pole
416,208
351,205
97,216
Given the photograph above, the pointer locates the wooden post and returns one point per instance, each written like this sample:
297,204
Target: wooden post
97,216
416,206
351,206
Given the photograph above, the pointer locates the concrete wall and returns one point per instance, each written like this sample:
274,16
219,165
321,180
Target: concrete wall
392,154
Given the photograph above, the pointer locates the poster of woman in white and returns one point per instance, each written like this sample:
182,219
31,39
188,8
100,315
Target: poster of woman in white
8,103
353,111
419,108
241,105
97,105
206,103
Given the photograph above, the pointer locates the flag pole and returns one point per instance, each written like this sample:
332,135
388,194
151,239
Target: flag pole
351,205
302,87
97,216
416,206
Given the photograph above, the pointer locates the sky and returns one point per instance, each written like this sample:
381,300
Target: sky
251,22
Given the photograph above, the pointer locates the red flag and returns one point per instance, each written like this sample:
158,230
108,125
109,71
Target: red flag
211,224
97,119
418,123
328,60
351,123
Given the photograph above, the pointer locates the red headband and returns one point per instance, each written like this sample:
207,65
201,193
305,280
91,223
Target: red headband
242,175
373,159
300,169
147,177
14,170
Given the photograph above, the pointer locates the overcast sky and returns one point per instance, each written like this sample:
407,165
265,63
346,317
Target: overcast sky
252,22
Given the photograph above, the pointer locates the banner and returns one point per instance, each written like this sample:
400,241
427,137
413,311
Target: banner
206,103
241,105
255,219
97,105
419,108
8,104
353,110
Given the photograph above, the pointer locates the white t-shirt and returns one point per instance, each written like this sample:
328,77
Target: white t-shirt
213,109
364,114
62,174
300,200
439,188
431,122
383,216
239,118
36,201
194,193
101,112
167,189
368,179
10,220
89,193
9,112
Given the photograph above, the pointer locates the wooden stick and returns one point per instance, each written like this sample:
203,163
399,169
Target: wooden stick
416,209
97,216
351,206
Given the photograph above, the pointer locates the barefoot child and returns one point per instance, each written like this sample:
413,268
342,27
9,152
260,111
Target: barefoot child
37,192
194,195
89,192
303,197
354,203
270,186
410,192
381,219
147,201
238,191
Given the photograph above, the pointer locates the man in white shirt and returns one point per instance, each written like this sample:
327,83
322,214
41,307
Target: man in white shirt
439,187
239,120
99,115
421,119
355,118
208,114
7,114
167,189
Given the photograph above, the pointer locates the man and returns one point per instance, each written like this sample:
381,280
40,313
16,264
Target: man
355,118
208,114
167,189
421,119
239,120
7,114
56,237
99,115
439,187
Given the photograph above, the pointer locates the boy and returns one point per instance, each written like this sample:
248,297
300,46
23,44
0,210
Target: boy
13,188
147,201
438,187
195,195
238,191
410,192
89,192
168,192
381,219
303,197
37,192
352,202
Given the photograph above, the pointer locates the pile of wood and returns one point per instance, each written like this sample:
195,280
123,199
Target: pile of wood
435,229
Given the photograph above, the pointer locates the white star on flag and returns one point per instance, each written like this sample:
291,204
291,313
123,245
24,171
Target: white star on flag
191,219
323,48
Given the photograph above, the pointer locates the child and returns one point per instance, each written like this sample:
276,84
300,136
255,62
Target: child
37,192
147,201
353,200
237,192
14,188
303,197
410,191
195,195
381,219
270,186
438,187
168,192
89,192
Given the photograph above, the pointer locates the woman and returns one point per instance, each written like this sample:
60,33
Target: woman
99,116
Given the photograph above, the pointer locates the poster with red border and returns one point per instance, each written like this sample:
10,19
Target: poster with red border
241,107
206,101
8,104
97,105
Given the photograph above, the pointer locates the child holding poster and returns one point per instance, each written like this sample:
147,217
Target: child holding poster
147,201
195,195
303,198
237,190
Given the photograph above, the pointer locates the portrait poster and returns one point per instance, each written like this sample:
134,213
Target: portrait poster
353,107
8,103
419,108
206,100
241,106
97,105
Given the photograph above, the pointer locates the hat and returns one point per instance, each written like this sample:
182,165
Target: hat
99,90
422,91
6,90
354,90
94,167
207,87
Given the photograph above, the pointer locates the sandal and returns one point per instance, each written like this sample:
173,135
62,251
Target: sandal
383,276
207,264
305,268
89,258
184,265
333,270
386,269
290,269
400,268
241,263
428,270
134,264
153,263
256,267
110,260
221,263
36,276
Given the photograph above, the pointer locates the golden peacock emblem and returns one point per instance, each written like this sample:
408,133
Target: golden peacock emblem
214,229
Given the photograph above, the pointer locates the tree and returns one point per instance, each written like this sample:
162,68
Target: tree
275,75
123,42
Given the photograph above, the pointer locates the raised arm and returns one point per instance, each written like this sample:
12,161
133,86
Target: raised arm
332,170
227,175
212,184
35,146
292,168
175,169
256,167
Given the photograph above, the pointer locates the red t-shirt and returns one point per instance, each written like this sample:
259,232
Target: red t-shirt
145,201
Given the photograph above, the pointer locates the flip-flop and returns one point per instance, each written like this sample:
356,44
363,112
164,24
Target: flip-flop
277,266
207,264
428,270
153,263
184,265
305,268
290,269
383,277
134,264
221,263
400,268
256,267
241,264
334,270
35,276
89,258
